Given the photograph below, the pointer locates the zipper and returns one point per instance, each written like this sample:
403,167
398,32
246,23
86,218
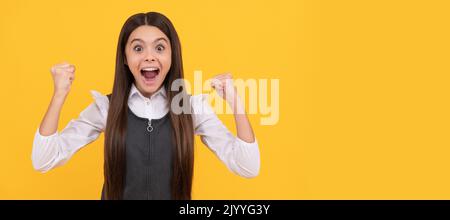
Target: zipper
149,129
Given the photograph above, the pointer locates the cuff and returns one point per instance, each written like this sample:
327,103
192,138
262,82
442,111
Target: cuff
246,144
42,137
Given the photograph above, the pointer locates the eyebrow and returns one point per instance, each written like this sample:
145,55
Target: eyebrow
138,39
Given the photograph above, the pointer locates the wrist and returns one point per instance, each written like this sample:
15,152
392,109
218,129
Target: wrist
59,95
236,105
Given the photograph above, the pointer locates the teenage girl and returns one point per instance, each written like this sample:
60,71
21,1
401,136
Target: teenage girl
149,146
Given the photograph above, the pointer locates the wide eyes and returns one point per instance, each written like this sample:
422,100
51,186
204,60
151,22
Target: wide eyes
159,48
138,48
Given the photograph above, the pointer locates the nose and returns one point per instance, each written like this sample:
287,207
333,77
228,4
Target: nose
150,57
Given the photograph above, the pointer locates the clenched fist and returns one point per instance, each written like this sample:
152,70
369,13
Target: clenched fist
63,75
223,84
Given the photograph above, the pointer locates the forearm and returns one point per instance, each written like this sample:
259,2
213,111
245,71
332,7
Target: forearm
243,126
49,124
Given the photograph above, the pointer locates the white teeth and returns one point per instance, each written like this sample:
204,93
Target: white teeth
150,69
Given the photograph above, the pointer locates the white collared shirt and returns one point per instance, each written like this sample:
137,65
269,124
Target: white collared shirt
154,107
54,150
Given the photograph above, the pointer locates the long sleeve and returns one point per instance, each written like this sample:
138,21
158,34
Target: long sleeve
56,149
240,157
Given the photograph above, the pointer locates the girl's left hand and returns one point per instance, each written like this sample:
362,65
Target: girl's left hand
223,84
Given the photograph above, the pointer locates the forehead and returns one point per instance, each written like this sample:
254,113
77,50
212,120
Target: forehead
147,33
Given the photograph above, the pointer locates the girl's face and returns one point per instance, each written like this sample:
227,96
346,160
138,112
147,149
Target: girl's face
149,56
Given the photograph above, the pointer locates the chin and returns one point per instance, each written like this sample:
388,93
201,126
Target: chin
149,89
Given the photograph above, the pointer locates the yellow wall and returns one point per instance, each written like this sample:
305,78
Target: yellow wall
364,87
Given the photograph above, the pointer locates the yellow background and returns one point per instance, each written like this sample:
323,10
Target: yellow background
364,92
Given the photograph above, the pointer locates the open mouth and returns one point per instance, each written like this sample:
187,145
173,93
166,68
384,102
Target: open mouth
150,73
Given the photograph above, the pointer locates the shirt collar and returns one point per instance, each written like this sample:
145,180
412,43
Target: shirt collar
135,92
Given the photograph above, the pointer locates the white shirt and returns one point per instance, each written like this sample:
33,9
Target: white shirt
55,150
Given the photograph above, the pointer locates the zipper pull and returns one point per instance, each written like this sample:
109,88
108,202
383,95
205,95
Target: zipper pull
149,127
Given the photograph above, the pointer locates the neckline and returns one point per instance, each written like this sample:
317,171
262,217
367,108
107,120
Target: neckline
146,119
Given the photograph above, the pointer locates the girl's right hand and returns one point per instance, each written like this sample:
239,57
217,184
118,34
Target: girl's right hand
63,75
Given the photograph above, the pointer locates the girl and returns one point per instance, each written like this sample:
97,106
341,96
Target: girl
149,147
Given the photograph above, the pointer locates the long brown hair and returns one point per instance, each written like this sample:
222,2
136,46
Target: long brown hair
116,124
